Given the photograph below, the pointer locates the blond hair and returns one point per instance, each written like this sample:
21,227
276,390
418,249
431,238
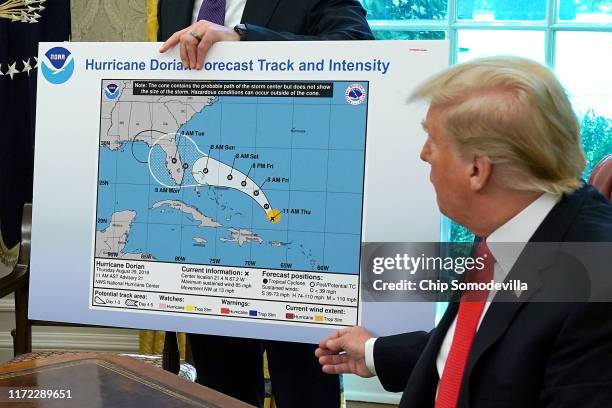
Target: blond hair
514,111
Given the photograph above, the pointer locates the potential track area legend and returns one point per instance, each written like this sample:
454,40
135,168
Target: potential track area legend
224,292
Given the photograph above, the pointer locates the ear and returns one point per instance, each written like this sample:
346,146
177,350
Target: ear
480,173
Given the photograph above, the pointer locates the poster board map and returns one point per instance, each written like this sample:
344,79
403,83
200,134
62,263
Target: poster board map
231,199
103,255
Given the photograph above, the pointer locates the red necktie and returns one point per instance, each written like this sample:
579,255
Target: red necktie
470,310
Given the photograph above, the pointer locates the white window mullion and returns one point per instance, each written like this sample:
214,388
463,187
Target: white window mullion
501,25
550,37
451,34
551,26
573,26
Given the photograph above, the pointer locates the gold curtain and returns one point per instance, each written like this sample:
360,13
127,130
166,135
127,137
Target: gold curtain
152,342
152,24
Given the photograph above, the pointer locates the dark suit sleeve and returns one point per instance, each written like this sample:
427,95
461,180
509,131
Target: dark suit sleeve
395,356
579,371
172,16
327,20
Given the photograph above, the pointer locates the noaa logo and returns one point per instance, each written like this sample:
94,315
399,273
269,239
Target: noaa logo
57,65
355,94
112,92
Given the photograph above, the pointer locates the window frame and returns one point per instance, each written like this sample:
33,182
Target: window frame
550,26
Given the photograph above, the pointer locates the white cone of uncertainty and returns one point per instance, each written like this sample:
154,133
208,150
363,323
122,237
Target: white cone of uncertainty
206,171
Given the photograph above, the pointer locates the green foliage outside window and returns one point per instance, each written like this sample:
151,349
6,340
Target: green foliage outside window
409,35
513,9
460,234
596,139
466,9
405,9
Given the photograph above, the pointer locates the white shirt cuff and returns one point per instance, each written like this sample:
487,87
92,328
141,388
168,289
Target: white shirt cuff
369,355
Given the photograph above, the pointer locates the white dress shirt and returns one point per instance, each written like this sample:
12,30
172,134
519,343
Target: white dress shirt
233,11
518,229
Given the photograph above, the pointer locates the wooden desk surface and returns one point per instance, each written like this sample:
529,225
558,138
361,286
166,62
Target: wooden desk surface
103,380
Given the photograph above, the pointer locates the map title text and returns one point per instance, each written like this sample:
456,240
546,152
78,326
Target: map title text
251,65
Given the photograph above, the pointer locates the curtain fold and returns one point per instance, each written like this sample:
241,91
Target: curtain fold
152,22
109,20
152,342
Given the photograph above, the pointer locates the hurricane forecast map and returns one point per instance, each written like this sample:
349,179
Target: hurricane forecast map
232,199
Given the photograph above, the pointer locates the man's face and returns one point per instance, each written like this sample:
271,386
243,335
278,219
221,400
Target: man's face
449,172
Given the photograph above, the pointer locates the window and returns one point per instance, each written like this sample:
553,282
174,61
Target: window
572,36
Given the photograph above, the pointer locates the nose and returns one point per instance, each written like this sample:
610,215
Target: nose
425,152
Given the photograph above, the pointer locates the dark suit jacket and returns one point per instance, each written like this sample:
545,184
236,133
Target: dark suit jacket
525,354
278,20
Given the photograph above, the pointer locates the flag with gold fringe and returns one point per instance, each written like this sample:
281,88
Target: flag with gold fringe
23,24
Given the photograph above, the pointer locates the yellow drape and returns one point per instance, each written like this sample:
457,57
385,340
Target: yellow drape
152,24
152,342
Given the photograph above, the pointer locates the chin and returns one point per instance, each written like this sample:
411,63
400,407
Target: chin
441,207
447,214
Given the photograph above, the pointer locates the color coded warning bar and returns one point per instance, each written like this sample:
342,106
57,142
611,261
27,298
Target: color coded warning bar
289,316
318,318
252,312
225,310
